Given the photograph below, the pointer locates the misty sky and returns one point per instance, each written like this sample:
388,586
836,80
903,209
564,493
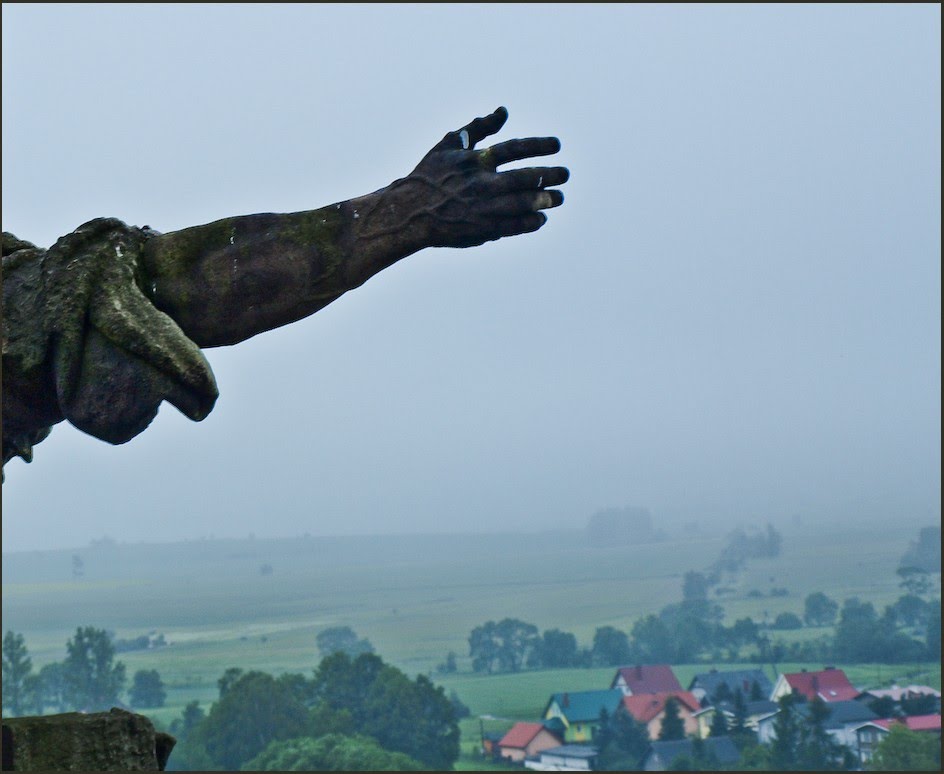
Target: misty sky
734,316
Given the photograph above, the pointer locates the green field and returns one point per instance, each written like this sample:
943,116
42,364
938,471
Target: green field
416,598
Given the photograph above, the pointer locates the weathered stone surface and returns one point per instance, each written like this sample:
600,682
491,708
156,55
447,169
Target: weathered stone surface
116,740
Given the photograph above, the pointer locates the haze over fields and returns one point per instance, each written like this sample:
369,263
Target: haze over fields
734,318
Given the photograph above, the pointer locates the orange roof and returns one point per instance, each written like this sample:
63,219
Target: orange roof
520,735
913,722
645,706
648,678
829,685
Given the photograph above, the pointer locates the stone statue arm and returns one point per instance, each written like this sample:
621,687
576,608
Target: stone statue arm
229,280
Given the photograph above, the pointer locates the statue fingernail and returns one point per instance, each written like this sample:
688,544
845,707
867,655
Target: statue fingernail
464,138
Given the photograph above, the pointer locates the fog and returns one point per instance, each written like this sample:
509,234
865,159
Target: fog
734,317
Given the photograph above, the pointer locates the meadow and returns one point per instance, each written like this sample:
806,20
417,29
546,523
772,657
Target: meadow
259,603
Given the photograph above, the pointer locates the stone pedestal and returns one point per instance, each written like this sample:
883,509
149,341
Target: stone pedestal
116,740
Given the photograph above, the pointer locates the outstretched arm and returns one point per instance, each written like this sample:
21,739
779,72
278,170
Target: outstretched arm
228,280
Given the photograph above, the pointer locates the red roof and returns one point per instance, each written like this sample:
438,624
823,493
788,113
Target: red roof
644,707
520,735
829,685
648,678
913,722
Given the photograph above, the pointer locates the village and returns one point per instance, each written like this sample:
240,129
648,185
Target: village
712,720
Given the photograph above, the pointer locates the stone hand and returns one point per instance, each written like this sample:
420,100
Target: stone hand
463,200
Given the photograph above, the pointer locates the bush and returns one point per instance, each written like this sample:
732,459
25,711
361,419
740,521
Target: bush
787,621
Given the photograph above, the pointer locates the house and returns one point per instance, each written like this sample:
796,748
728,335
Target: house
526,740
830,685
646,678
580,711
844,718
869,734
649,709
718,749
567,757
715,685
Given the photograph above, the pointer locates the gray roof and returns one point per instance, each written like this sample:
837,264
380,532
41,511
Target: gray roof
841,713
753,708
735,679
721,748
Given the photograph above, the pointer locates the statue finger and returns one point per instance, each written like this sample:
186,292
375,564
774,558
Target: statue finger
516,150
473,132
483,127
522,202
531,178
521,224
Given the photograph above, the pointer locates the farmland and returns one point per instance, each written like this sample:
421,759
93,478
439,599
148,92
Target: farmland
415,598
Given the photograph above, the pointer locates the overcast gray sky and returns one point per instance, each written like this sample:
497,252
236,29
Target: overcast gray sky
734,316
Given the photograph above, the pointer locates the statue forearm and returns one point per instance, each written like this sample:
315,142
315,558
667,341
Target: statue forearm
229,280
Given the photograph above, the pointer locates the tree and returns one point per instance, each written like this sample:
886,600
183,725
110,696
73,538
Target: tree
757,693
517,640
817,750
922,704
694,586
147,689
932,639
672,725
17,668
409,716
785,746
914,580
819,610
254,710
906,750
230,676
449,666
610,647
910,610
925,552
483,647
505,646
332,752
623,744
652,640
51,688
459,708
557,649
719,724
190,753
739,728
787,621
342,638
92,679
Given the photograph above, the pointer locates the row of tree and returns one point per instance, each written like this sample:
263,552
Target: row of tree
352,714
88,679
692,630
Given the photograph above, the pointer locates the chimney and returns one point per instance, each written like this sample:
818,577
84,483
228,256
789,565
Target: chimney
566,699
826,668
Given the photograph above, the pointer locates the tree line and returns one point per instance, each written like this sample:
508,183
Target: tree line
692,630
88,679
